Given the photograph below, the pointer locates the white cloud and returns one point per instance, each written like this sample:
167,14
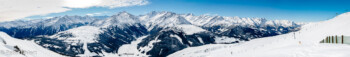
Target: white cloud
48,17
95,14
90,14
81,3
122,3
16,9
209,14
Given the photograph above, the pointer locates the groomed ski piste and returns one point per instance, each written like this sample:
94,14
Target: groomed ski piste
303,43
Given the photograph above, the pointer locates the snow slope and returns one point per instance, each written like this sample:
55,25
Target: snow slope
130,50
81,35
304,43
29,48
190,29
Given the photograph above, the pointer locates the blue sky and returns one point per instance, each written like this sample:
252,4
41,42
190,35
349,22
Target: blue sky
294,10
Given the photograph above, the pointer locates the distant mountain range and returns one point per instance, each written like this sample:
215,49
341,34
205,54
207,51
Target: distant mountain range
162,33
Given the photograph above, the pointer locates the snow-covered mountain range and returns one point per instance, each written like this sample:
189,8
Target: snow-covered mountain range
157,34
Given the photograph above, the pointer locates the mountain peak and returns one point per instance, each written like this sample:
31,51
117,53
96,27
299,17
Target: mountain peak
123,16
162,12
120,19
167,13
164,18
189,14
124,13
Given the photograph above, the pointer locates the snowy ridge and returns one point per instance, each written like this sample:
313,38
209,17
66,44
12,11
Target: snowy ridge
152,19
208,21
55,22
18,23
304,43
170,19
284,23
120,19
163,19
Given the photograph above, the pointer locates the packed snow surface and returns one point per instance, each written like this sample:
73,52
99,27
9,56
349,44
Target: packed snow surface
304,43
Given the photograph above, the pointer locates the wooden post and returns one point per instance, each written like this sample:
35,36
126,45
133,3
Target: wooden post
336,39
342,39
332,39
324,40
327,39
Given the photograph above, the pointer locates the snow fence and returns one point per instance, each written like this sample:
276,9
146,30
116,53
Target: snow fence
337,39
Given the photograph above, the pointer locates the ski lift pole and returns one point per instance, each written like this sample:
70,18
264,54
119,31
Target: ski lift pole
294,35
